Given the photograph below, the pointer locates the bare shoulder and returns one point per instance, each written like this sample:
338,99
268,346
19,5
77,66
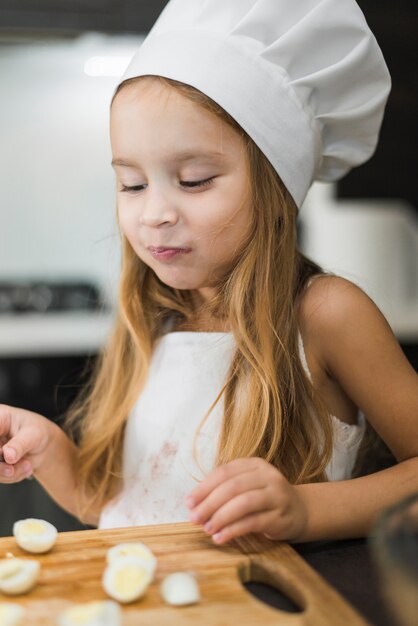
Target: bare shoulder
339,319
332,299
352,341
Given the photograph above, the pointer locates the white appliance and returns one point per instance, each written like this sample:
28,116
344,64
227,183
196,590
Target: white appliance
373,243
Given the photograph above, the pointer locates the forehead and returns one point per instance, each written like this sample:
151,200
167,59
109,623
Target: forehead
155,115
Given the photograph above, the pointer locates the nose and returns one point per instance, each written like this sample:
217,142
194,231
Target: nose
158,208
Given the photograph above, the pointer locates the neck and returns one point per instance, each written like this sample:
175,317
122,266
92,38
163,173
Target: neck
202,321
202,317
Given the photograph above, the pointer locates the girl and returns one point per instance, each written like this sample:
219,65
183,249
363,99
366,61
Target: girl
235,386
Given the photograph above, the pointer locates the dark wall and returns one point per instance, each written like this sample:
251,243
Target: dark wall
72,16
392,171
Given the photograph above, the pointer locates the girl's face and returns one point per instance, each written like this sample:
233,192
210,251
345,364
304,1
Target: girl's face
182,181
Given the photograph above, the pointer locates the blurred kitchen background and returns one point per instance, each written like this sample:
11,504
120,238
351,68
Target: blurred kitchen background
59,246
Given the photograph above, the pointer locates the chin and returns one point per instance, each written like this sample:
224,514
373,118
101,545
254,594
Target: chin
178,282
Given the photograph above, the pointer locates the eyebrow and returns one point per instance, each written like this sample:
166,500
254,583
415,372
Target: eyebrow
186,155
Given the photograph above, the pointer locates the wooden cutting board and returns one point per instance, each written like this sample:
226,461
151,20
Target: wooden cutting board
72,571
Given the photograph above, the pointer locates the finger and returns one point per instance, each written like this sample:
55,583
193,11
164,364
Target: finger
15,473
220,475
225,492
19,445
6,471
5,421
241,506
254,523
5,431
3,440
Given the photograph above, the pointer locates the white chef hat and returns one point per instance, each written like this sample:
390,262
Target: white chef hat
305,79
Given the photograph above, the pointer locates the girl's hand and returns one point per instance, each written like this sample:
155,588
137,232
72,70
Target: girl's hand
244,496
24,437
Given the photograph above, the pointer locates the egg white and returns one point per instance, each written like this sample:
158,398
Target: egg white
18,575
179,589
11,614
135,548
126,579
34,535
101,613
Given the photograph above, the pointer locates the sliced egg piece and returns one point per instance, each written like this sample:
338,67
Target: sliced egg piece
179,589
34,535
18,575
102,613
135,548
126,579
11,614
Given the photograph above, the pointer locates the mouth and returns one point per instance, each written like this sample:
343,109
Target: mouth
161,252
164,248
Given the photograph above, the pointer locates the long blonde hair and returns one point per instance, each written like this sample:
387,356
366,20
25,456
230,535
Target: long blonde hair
271,409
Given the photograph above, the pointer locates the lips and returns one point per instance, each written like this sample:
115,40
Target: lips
162,253
160,249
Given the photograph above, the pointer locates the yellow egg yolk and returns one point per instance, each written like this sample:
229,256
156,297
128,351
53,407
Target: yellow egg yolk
84,614
124,552
4,612
33,528
135,550
9,568
127,579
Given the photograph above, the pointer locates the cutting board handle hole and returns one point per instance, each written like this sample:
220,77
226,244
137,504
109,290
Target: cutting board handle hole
259,582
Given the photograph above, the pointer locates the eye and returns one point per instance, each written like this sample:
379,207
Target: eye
184,183
197,183
133,188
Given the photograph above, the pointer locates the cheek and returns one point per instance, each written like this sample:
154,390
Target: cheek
221,244
229,228
216,220
125,222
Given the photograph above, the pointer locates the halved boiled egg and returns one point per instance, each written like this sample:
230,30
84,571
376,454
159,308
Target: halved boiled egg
34,535
11,614
102,613
126,579
135,548
18,575
180,589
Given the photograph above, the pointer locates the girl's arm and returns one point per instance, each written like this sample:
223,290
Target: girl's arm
57,473
353,342
348,508
31,444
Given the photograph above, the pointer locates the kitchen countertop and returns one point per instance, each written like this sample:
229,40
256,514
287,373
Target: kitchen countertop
78,332
348,567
